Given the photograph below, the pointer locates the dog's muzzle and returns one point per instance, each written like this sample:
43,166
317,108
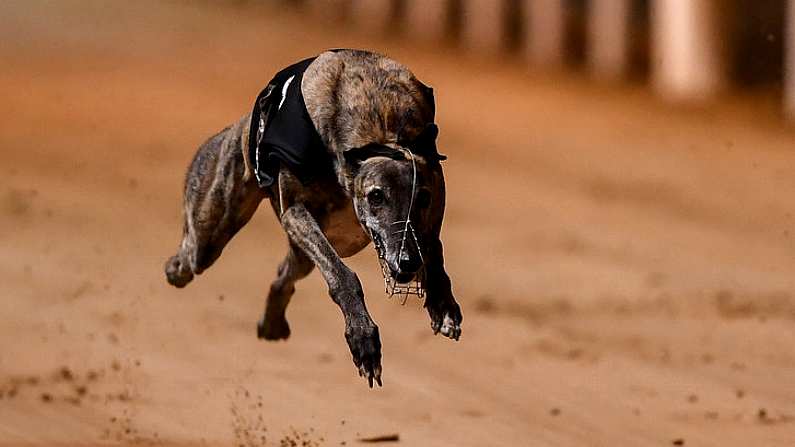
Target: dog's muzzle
409,279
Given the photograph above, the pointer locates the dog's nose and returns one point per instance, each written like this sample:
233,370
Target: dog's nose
409,264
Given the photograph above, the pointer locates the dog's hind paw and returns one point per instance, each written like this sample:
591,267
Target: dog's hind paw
178,274
276,329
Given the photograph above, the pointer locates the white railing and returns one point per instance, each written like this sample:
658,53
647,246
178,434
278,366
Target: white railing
687,43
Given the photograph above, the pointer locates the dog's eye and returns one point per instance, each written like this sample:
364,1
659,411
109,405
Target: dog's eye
423,198
375,197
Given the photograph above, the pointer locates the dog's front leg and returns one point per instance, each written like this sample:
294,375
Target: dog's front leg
442,307
344,288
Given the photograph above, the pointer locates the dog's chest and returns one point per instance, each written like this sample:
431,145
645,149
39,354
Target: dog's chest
342,229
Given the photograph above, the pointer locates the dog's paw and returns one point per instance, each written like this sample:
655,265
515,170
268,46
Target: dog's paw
449,327
447,322
365,345
178,274
273,329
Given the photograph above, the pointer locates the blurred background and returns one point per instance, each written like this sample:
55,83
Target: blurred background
618,229
685,51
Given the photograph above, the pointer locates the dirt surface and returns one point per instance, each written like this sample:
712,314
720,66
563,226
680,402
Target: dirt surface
625,268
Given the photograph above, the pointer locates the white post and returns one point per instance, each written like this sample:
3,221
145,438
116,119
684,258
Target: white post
426,19
371,15
789,61
545,31
688,54
608,38
483,26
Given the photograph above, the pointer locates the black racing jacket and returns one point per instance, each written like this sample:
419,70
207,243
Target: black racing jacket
283,133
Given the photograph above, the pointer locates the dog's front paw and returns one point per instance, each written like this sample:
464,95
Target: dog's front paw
273,328
450,327
365,345
446,321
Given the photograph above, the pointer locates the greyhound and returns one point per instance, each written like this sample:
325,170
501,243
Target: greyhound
343,146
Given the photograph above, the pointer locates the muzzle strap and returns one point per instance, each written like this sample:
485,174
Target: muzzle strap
407,236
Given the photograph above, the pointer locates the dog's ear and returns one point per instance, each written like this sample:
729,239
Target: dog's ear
427,92
356,156
425,143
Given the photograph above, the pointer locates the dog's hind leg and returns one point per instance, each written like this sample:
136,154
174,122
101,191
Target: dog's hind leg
296,265
219,200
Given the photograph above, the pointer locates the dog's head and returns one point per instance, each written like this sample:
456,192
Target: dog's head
399,198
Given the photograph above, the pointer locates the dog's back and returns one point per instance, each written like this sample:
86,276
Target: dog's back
356,97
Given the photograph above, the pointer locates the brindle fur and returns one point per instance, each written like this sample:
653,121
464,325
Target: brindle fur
354,98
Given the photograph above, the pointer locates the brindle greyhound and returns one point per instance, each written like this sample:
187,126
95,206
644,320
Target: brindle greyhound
382,181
